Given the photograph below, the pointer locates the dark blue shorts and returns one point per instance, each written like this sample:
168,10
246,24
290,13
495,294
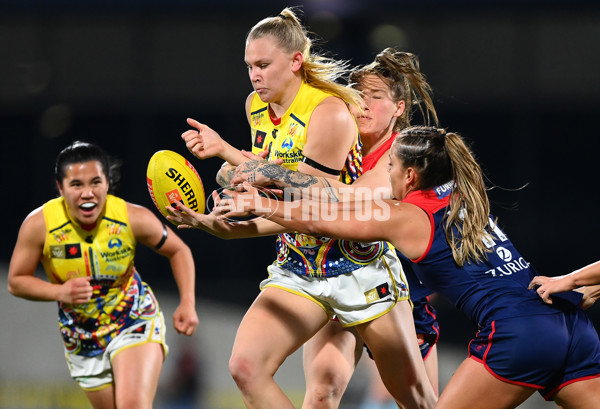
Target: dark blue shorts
546,352
428,330
426,325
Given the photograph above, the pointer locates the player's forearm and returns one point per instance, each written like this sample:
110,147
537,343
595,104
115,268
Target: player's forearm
225,174
182,265
241,230
232,155
586,276
33,289
292,216
295,184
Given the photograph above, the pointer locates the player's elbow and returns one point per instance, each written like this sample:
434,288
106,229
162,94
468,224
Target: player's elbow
311,227
13,288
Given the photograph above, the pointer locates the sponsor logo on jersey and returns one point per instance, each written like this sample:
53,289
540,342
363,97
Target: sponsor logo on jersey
287,144
377,293
292,129
257,118
444,190
259,140
61,235
114,228
114,242
139,330
65,251
383,290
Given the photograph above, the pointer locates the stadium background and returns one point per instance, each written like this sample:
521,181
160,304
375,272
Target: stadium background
519,79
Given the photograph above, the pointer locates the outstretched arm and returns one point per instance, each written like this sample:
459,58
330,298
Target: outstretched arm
404,225
186,218
370,186
588,277
266,174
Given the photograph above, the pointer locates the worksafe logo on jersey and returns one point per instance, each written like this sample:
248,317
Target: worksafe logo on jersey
287,144
115,242
65,251
377,293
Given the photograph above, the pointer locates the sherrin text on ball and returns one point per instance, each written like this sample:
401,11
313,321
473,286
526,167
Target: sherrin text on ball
170,178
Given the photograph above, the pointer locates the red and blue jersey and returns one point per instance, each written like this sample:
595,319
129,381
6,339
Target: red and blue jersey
491,289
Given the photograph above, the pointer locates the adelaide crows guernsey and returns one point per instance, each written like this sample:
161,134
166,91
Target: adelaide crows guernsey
105,254
285,138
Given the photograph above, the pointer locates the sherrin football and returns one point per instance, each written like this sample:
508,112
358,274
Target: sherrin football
170,177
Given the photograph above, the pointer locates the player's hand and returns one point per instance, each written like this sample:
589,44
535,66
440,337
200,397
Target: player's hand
185,319
591,293
76,291
186,218
202,141
240,202
261,155
258,173
546,286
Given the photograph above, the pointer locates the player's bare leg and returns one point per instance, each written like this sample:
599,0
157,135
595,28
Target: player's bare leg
276,325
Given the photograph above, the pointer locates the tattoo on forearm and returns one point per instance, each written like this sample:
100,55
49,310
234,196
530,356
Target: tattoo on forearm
299,180
225,175
329,190
286,178
273,172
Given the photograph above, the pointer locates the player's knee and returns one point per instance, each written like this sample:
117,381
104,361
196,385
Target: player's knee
243,371
134,400
326,394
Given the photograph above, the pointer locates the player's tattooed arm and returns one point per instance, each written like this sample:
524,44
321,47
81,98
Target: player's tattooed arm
271,175
225,175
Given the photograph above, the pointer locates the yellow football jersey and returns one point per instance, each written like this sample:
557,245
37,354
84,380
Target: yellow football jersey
105,254
284,139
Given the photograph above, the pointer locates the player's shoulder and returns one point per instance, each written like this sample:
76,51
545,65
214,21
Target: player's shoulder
136,211
34,223
334,109
35,216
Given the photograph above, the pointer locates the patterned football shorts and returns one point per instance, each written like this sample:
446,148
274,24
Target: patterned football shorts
354,298
95,373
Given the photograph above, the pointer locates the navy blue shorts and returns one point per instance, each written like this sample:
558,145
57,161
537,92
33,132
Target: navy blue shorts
428,330
546,352
426,325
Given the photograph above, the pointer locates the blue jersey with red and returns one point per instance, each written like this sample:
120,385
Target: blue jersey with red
520,339
493,288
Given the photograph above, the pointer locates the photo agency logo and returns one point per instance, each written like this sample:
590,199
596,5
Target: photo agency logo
242,202
343,204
